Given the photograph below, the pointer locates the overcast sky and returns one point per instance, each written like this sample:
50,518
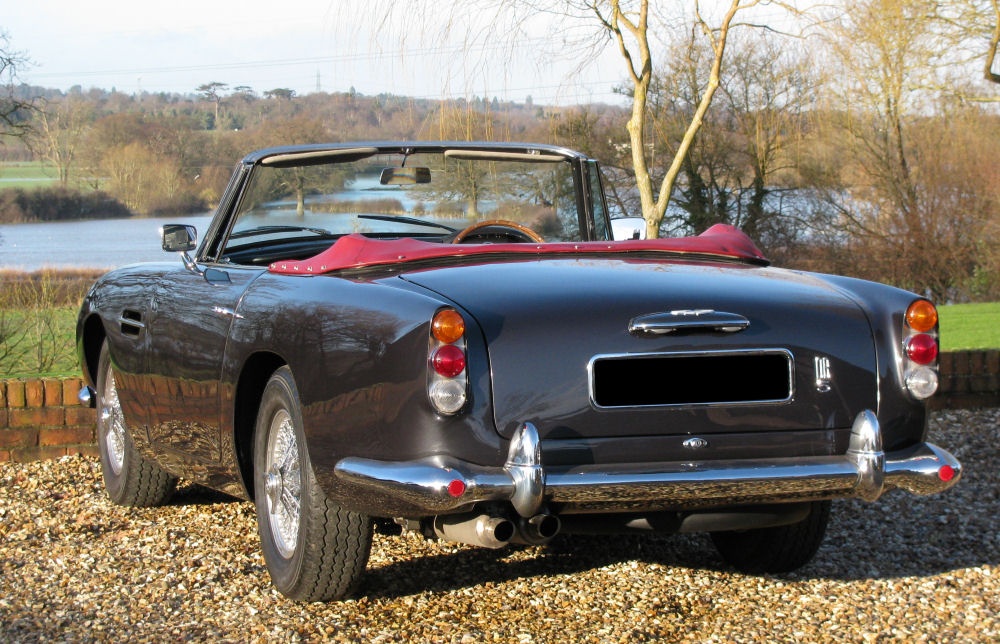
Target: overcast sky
304,45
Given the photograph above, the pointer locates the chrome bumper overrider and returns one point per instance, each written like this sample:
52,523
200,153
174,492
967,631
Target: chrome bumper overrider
864,471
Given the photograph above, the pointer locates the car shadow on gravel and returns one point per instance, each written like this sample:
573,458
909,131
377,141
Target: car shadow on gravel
900,536
194,494
910,537
565,555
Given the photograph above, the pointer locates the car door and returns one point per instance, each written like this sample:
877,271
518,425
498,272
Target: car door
189,322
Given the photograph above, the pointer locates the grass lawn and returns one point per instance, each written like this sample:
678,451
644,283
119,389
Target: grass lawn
970,326
38,342
27,175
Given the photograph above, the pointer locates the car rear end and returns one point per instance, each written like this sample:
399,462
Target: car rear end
648,389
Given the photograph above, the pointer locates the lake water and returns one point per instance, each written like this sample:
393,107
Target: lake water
94,243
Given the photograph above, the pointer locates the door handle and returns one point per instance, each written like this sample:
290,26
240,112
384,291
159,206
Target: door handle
687,320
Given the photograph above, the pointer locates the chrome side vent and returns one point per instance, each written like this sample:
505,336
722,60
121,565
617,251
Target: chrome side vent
824,374
131,323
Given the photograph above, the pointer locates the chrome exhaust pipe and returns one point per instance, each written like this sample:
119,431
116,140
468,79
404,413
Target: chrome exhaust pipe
537,530
476,530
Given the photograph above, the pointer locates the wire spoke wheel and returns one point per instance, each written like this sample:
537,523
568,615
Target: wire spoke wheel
283,483
111,424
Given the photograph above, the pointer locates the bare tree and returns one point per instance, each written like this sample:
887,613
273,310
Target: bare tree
744,152
630,30
60,130
588,26
15,110
904,194
991,48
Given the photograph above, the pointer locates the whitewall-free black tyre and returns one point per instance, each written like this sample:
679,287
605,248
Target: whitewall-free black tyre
314,550
129,477
776,549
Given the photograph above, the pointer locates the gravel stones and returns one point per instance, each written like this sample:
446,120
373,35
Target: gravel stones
74,567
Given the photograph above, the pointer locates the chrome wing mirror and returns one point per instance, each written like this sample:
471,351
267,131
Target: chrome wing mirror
180,238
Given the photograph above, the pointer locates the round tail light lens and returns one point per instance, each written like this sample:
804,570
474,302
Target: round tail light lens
448,361
922,349
448,396
921,316
922,382
448,326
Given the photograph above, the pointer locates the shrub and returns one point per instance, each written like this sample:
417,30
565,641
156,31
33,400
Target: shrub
57,204
37,321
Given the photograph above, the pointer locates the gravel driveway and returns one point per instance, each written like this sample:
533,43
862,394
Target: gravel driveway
74,567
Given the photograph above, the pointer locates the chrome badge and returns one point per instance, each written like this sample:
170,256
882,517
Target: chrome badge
824,376
695,443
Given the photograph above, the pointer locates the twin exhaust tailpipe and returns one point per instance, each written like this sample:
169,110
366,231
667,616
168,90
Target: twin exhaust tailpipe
490,531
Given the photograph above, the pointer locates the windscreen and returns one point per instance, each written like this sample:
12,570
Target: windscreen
418,195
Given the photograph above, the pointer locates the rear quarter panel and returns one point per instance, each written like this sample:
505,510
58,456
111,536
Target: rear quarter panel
358,352
902,418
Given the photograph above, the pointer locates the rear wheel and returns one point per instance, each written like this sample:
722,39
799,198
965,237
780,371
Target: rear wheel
777,549
129,477
315,550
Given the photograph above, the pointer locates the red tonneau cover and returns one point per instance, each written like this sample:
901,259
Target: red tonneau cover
358,251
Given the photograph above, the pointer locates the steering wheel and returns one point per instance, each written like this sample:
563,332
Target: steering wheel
499,228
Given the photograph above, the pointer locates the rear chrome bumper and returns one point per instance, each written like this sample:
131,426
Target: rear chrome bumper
864,471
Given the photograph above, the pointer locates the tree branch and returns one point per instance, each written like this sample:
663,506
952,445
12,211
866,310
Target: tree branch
991,51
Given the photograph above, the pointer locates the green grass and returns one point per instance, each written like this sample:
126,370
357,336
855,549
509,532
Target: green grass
27,175
38,321
38,342
970,326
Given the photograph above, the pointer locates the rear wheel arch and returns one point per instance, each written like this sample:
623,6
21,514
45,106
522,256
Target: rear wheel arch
256,372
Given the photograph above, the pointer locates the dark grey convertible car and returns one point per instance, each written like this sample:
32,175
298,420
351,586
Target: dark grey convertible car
445,337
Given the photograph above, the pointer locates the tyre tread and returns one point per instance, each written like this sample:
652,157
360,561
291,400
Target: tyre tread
141,483
336,543
777,549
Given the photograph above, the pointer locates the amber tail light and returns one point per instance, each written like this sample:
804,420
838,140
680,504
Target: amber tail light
920,350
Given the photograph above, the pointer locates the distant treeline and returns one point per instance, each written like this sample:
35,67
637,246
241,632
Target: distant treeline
57,204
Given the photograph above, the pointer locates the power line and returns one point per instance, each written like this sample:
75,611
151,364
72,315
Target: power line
443,50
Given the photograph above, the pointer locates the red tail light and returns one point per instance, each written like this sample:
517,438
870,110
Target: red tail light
449,361
922,348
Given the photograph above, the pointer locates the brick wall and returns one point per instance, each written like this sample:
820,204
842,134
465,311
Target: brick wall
968,379
41,417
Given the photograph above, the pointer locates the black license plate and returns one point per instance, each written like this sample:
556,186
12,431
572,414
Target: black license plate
692,379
